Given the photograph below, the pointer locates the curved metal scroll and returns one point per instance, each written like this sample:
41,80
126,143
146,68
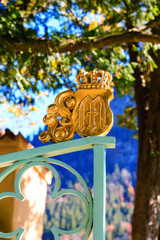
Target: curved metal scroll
57,192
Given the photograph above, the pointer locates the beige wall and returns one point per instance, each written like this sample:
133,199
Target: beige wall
15,213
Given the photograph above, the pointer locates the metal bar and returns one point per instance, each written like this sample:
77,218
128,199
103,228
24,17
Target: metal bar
99,201
57,149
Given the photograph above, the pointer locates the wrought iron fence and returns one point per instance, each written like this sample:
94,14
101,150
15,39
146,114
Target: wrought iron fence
43,156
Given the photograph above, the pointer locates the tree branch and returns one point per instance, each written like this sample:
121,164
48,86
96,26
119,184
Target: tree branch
72,45
151,24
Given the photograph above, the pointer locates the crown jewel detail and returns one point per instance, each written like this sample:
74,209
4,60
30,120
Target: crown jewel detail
94,79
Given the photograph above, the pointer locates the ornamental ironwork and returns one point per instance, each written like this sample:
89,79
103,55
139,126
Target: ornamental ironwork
95,209
85,111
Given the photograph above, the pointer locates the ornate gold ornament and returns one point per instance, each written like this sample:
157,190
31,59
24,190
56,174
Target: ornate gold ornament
85,111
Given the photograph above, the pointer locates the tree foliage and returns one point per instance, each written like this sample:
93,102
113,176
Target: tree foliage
68,211
89,35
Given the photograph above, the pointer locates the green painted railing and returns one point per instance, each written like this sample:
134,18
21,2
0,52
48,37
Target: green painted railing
95,208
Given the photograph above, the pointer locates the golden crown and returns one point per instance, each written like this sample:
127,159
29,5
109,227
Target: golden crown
94,79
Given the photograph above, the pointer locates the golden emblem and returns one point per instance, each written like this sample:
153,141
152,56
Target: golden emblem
85,111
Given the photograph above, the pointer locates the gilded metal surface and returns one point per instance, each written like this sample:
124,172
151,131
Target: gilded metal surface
85,111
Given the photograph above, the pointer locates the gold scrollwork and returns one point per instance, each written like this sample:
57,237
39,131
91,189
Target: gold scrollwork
59,130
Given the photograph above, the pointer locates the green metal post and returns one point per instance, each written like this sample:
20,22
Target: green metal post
99,202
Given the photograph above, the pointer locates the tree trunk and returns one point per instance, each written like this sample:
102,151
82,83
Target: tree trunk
146,212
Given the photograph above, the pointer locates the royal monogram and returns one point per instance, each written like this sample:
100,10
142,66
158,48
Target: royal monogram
85,111
92,116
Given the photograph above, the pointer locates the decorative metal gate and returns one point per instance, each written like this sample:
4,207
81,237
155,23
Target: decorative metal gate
86,112
94,207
